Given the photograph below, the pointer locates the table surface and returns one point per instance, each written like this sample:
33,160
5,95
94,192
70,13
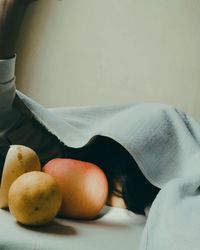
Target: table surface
116,228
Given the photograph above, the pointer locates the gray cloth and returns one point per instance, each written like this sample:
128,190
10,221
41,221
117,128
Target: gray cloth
17,124
164,141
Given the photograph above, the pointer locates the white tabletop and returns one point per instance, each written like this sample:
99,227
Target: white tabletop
116,229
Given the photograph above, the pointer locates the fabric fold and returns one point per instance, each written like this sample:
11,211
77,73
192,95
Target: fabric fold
7,69
159,137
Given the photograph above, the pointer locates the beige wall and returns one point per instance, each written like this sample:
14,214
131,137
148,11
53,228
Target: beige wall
85,52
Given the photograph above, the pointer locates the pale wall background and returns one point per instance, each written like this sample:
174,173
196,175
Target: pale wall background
88,52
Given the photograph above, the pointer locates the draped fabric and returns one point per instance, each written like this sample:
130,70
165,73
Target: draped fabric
163,140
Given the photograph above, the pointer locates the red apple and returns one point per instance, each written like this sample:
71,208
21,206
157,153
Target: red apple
83,185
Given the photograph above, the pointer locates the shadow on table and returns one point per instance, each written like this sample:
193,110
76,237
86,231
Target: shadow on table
52,227
108,222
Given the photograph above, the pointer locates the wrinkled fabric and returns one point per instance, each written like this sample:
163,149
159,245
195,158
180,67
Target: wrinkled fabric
163,140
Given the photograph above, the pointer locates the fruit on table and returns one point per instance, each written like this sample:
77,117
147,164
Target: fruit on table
19,160
34,198
83,185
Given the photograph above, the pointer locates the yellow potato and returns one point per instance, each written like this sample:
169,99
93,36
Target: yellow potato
19,160
34,198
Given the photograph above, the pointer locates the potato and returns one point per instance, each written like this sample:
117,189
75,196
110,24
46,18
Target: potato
34,198
19,160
